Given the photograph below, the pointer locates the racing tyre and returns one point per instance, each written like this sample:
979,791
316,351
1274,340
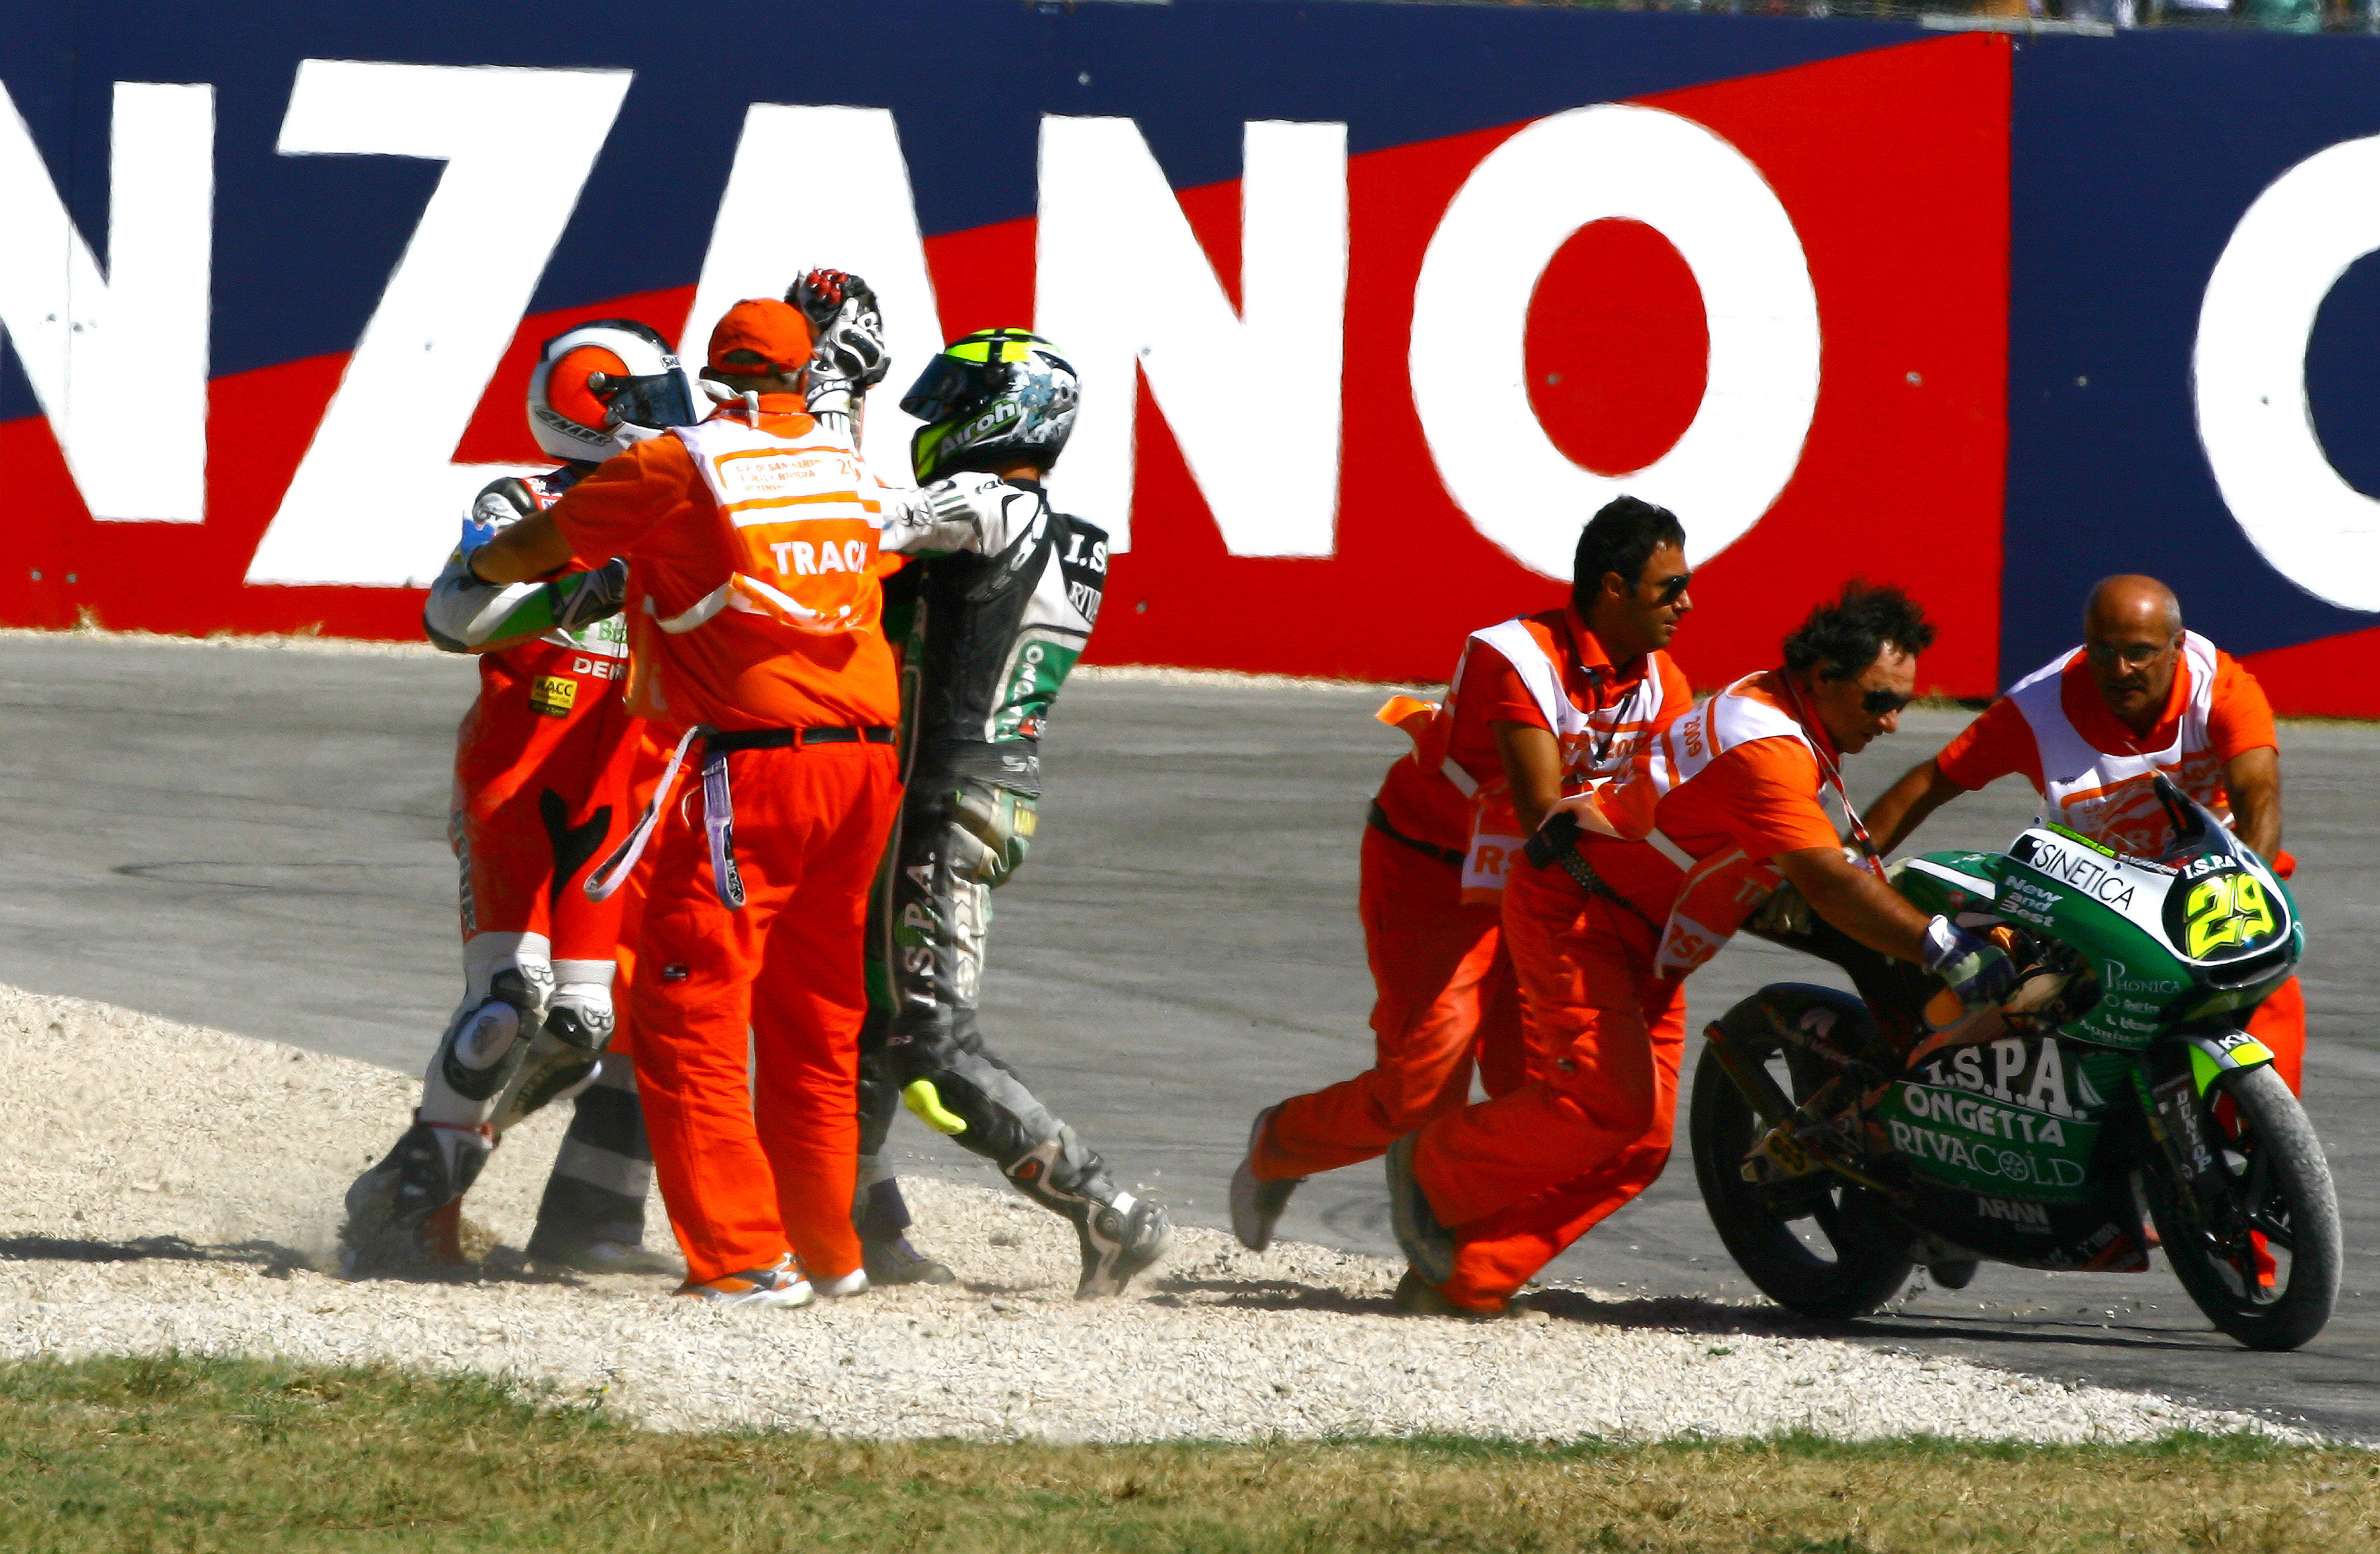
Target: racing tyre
1818,1244
2268,1273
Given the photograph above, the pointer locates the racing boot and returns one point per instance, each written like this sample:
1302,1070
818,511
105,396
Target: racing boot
881,1217
591,1218
404,1215
1119,1235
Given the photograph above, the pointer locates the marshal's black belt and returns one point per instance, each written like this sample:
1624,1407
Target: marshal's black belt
1378,819
779,738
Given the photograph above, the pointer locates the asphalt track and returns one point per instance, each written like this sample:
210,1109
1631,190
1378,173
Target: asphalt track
255,840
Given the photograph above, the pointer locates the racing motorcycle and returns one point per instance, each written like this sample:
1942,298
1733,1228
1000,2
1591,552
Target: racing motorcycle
1841,1140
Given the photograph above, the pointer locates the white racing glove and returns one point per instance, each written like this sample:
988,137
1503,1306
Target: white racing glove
966,511
467,615
1976,969
849,356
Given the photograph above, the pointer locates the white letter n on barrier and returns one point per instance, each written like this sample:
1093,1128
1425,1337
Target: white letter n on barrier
75,329
1252,394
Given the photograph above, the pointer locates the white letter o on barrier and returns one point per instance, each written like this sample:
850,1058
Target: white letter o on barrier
2285,254
1471,317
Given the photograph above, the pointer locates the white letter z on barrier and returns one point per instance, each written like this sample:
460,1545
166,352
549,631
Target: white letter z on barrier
1252,395
371,508
75,329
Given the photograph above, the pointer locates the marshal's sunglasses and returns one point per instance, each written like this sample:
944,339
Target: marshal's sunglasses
1880,703
1673,589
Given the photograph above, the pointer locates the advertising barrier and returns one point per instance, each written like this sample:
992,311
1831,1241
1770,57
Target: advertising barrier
1373,304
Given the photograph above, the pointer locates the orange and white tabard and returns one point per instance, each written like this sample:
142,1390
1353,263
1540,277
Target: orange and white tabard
803,519
1720,792
762,612
1544,670
2095,775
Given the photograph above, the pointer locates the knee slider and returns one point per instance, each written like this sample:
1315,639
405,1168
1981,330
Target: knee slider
486,1038
581,1016
990,831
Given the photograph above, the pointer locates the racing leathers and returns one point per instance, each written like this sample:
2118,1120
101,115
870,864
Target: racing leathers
988,620
543,766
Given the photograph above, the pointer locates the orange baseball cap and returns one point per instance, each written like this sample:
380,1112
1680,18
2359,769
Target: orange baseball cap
769,336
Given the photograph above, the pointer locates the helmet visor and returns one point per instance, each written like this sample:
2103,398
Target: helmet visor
658,399
949,387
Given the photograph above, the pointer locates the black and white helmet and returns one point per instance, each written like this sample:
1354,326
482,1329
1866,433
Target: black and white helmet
600,386
998,396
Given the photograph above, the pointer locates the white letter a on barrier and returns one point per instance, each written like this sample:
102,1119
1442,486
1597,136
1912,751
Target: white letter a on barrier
780,218
1252,395
142,458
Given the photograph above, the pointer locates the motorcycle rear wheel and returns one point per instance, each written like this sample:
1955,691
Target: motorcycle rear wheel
1817,1245
2276,1176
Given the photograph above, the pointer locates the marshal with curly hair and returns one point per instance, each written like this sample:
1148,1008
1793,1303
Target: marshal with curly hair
1837,640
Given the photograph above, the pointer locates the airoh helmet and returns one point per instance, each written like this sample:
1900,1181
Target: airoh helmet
600,386
998,396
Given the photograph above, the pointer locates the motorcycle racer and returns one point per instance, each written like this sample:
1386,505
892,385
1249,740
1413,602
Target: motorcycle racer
543,768
2091,728
988,618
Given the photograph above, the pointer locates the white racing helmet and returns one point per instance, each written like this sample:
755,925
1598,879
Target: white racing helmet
603,384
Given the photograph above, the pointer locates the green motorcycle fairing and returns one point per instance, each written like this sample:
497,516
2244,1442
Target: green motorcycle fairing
2167,945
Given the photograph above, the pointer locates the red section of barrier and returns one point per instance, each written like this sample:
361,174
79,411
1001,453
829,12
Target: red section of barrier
2331,678
1894,167
1618,347
186,578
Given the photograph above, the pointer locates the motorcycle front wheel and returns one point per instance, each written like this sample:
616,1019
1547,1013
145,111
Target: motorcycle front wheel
1817,1245
2267,1271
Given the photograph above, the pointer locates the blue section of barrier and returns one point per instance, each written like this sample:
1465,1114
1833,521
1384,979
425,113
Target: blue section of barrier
2132,160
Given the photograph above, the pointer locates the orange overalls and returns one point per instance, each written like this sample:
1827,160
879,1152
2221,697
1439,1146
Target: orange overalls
756,636
1520,1177
1434,864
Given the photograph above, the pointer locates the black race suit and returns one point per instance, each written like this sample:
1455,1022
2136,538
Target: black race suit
987,639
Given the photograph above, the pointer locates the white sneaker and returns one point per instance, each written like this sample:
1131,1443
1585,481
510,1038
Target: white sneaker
782,1285
1256,1205
852,1283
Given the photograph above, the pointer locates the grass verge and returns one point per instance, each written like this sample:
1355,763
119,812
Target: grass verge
184,1453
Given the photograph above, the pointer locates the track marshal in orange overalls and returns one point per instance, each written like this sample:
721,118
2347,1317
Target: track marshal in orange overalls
752,544
1540,705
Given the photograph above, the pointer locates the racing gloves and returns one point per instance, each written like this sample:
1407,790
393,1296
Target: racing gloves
1976,969
849,356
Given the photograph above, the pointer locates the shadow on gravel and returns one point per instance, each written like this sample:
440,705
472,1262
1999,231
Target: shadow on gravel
1687,1313
1919,1328
1273,1294
270,1256
1690,1314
